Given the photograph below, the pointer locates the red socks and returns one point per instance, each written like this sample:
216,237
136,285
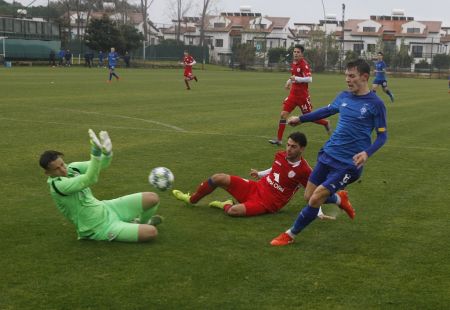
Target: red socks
281,127
205,188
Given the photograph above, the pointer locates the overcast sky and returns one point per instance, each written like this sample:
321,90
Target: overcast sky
308,11
312,10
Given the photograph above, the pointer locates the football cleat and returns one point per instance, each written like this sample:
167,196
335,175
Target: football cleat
186,198
155,220
283,239
345,204
275,142
220,204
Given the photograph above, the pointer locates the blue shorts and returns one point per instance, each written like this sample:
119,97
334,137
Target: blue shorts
383,83
332,174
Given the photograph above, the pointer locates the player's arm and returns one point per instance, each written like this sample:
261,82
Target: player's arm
259,174
380,126
193,62
67,186
313,116
324,112
300,79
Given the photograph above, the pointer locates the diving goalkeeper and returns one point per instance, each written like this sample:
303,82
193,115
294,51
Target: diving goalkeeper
95,219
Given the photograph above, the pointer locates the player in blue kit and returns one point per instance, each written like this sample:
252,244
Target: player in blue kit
340,161
112,63
380,76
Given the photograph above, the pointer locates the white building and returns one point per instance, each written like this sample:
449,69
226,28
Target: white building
423,38
224,31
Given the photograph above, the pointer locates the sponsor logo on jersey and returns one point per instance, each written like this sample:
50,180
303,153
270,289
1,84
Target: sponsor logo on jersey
275,184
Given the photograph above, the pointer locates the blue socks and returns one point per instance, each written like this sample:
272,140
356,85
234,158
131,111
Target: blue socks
332,199
306,216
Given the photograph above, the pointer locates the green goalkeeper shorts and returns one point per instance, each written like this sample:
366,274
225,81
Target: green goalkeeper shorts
121,211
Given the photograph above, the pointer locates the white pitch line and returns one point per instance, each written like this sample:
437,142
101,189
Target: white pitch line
211,133
126,117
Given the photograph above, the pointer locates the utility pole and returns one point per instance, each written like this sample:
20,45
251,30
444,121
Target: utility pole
326,39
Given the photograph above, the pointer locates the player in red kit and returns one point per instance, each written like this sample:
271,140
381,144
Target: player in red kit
188,62
276,185
299,94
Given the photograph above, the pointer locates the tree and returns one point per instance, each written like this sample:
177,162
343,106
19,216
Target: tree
441,61
102,34
244,54
401,58
178,9
205,7
130,39
145,5
276,54
351,55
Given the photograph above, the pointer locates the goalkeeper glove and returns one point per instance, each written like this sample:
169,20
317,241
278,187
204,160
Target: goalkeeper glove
106,142
96,147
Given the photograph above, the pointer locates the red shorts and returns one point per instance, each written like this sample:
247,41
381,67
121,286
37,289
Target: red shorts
252,195
304,103
188,72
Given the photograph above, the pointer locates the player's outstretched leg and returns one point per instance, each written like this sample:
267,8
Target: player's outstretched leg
195,78
220,204
184,197
345,204
187,85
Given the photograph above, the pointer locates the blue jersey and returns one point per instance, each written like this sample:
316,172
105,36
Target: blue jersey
380,67
112,59
359,116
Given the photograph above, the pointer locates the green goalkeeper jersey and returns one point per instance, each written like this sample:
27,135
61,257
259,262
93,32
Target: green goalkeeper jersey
74,198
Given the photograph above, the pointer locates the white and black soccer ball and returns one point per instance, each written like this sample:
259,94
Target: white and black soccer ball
161,178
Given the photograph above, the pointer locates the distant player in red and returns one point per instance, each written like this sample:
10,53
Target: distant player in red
299,94
276,185
188,62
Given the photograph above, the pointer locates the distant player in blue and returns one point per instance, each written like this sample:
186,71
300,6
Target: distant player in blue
100,58
113,57
380,76
340,162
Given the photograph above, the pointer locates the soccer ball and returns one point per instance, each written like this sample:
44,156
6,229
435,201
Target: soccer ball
161,178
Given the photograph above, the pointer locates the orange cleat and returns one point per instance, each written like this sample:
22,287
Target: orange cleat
283,239
345,204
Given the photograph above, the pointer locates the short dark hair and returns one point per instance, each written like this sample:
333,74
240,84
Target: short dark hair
47,157
380,53
360,64
300,47
299,137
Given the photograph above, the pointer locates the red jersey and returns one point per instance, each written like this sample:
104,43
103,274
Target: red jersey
301,69
188,60
284,180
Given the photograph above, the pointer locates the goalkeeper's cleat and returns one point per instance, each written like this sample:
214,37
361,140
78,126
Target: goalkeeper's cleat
186,198
275,142
155,220
220,204
283,239
345,204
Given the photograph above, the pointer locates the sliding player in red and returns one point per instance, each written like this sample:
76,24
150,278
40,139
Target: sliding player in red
188,62
299,94
275,188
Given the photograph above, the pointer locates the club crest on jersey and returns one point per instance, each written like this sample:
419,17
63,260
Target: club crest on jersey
298,69
291,174
363,111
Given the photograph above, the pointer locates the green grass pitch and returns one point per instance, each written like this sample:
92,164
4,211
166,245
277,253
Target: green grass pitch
394,255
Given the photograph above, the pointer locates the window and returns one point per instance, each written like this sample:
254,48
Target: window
191,41
219,42
417,51
368,29
219,25
413,30
358,47
371,48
